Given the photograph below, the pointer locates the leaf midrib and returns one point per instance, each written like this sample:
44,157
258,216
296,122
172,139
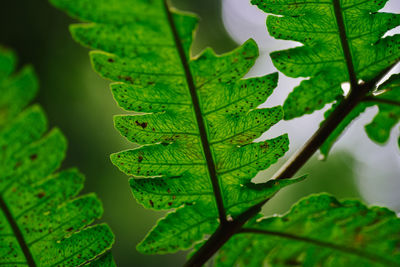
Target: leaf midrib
199,118
345,44
17,233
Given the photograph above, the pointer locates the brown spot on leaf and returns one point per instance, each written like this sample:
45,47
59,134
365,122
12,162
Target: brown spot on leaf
293,262
333,204
143,124
264,146
41,194
19,163
151,203
33,157
126,78
359,238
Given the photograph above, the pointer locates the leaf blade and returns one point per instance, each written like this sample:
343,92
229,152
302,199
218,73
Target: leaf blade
318,230
41,220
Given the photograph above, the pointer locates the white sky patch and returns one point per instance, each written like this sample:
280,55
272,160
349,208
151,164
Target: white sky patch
346,88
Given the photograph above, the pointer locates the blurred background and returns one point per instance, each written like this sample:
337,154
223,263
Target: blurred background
81,105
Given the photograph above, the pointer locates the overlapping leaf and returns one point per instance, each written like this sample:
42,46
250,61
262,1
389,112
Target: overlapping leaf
316,24
42,222
145,49
318,231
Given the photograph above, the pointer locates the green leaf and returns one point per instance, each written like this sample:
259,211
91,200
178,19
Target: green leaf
42,221
389,112
338,37
199,117
106,260
318,231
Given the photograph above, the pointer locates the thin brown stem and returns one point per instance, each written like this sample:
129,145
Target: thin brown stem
357,94
304,154
224,233
381,100
344,108
221,236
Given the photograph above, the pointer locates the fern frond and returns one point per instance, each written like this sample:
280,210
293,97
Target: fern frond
318,231
199,117
342,43
42,222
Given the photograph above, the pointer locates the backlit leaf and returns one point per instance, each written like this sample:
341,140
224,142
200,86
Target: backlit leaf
318,231
317,25
199,116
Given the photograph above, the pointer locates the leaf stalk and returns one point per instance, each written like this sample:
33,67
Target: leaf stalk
381,100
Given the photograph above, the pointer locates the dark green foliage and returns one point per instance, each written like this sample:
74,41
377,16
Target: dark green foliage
42,221
318,231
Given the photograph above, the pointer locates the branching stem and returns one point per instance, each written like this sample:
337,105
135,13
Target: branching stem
224,233
381,100
358,93
221,236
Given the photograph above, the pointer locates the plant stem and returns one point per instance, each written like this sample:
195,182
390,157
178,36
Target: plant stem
381,100
221,236
225,232
358,93
341,111
355,96
304,154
